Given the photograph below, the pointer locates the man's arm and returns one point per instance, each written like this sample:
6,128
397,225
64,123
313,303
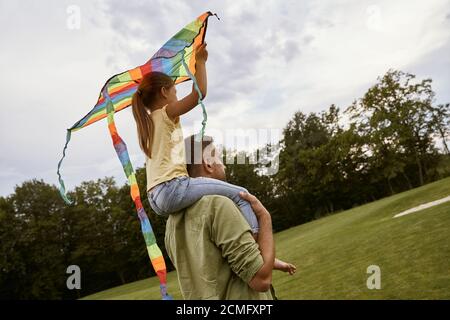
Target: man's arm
231,233
263,278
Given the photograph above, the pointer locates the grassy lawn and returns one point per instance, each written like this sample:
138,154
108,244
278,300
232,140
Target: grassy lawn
332,254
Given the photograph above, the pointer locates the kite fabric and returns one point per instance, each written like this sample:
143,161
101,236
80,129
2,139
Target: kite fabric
176,58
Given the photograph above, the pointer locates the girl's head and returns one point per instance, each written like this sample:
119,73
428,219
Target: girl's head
155,90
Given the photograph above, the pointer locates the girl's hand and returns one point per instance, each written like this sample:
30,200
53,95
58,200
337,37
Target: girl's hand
201,55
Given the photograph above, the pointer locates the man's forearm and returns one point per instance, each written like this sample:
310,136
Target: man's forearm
262,280
266,245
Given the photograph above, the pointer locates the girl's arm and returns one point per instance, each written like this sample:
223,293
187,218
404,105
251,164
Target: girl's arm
186,104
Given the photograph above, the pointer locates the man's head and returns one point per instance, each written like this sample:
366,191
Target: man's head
202,159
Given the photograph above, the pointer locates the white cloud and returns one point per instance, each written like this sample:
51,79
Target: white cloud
267,59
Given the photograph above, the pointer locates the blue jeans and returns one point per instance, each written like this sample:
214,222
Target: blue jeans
181,192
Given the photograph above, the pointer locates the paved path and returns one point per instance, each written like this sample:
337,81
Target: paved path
423,206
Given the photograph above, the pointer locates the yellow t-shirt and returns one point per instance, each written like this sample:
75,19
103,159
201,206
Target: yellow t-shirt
168,155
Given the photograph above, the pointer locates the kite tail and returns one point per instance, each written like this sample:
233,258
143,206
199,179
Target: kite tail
200,135
153,250
62,188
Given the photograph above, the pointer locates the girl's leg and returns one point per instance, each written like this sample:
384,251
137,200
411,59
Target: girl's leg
167,196
182,192
199,187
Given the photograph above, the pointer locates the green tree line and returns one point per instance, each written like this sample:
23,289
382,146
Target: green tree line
392,139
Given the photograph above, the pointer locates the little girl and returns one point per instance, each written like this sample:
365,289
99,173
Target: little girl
169,186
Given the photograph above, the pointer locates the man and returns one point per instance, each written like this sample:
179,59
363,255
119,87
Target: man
211,244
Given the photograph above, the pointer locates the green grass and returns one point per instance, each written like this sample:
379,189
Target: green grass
332,254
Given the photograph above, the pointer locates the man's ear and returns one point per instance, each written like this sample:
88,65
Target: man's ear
164,92
207,166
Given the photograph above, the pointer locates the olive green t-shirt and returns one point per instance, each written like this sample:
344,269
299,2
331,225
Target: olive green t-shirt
212,248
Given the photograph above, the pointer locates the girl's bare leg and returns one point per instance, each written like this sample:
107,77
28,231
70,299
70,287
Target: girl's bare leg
279,264
284,266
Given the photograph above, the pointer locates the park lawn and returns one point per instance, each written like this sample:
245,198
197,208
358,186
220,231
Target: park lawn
332,254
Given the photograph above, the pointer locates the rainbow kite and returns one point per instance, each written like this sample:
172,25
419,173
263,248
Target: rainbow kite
176,58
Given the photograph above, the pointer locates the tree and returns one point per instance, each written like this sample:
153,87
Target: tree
12,266
399,121
441,117
302,165
249,175
37,226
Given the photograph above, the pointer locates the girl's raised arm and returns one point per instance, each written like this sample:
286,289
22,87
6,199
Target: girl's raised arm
186,104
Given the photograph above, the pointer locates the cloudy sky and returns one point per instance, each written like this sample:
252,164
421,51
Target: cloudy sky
267,59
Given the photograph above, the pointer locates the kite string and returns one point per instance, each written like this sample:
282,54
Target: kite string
199,136
62,187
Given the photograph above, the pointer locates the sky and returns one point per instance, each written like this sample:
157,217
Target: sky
267,60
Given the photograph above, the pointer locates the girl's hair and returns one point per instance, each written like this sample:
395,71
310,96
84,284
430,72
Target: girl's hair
145,96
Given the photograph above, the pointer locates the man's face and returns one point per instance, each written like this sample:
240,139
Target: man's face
217,166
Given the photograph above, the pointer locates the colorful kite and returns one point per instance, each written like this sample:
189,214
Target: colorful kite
176,58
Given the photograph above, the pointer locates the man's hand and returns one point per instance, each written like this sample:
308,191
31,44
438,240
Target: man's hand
201,55
257,206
